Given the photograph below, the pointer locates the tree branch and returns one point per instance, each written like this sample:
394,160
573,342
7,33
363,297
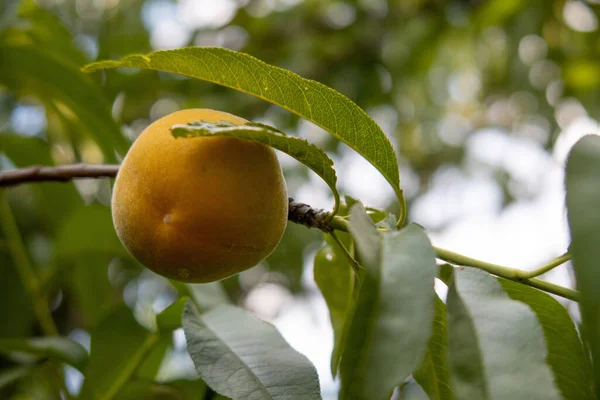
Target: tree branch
298,213
63,173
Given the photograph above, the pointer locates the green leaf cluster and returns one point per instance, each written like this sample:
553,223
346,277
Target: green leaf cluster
490,338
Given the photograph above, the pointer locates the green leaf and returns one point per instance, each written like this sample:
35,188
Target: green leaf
496,347
8,376
90,287
566,356
75,238
174,390
43,382
15,301
309,99
308,154
32,70
170,318
118,345
180,389
242,357
445,272
334,277
393,316
148,390
433,374
192,390
61,348
583,197
149,367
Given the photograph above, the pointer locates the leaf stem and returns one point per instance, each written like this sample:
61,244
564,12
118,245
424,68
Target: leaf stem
26,271
547,267
349,258
507,273
339,224
402,216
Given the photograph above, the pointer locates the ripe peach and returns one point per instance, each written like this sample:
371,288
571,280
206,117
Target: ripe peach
199,209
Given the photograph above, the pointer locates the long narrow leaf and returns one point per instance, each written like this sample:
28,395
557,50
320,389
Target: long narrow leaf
566,355
309,99
393,316
61,348
433,374
308,154
335,279
583,199
496,346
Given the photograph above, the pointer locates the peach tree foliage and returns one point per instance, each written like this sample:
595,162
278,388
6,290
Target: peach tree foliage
497,335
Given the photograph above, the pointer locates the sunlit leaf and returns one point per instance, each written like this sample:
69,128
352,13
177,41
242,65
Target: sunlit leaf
433,374
308,154
393,316
583,198
496,346
242,357
60,348
566,356
309,99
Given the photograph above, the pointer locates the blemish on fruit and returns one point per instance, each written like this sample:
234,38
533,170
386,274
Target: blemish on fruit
167,219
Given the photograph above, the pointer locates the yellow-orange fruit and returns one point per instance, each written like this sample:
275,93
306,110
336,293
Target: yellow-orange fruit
199,209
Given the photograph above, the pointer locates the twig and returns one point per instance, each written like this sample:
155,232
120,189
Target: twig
63,173
304,214
507,273
298,213
548,267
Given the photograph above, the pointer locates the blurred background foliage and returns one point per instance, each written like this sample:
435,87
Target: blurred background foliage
431,72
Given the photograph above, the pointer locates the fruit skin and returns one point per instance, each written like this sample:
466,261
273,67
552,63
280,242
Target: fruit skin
199,209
